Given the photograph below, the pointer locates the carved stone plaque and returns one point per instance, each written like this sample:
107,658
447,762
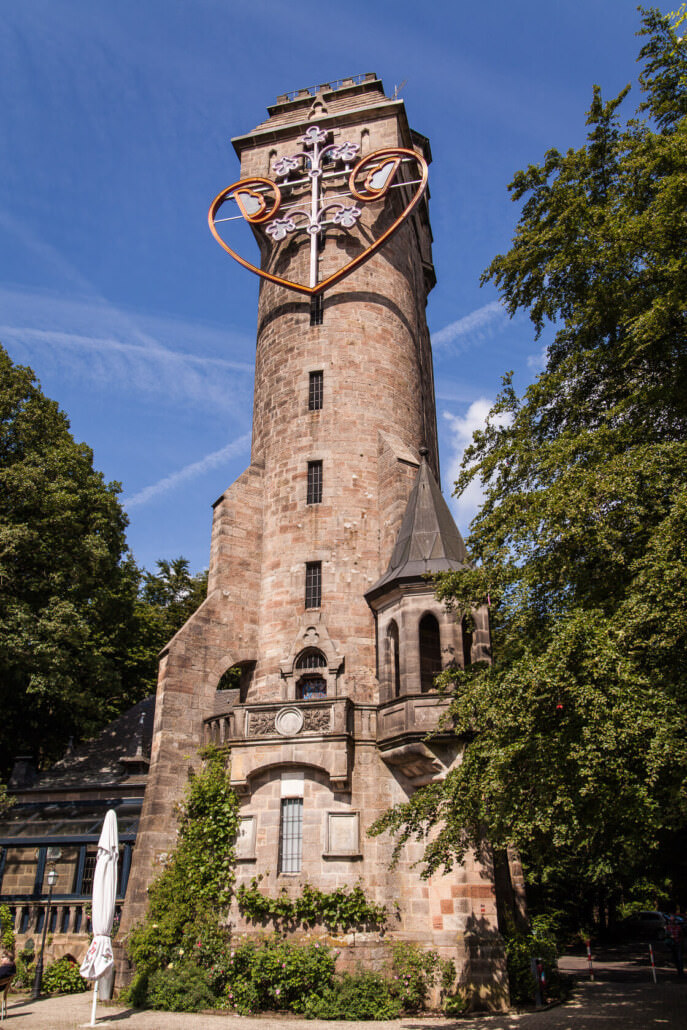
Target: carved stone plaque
262,723
289,722
317,721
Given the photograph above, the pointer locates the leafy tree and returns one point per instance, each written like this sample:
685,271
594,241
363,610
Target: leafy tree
80,625
578,732
66,592
165,601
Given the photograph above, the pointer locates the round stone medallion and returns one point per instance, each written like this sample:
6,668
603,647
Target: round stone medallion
289,722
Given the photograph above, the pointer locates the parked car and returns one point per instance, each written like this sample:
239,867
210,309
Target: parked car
646,926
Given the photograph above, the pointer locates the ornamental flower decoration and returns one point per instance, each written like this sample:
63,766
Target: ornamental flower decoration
280,227
285,165
326,166
347,216
312,136
344,151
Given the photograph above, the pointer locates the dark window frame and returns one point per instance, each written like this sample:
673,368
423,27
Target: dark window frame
316,391
315,481
291,836
429,634
313,584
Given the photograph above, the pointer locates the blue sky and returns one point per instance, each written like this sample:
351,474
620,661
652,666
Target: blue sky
115,130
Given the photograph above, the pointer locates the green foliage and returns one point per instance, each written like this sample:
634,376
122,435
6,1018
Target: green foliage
520,950
6,930
363,996
340,909
415,972
277,974
578,733
188,898
454,1005
63,977
182,987
66,590
25,961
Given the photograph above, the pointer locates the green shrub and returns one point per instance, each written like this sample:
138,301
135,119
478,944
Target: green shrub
63,977
520,950
26,967
137,991
6,929
183,987
414,972
363,996
453,1005
276,974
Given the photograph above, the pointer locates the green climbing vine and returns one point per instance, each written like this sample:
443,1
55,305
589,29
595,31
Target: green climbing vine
340,909
196,886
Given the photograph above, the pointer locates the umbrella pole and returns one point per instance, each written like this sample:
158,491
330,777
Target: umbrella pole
95,1001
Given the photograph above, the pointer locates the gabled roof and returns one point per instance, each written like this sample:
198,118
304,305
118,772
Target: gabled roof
428,541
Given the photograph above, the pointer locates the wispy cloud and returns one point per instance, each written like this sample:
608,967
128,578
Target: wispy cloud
80,331
462,428
470,329
102,347
537,362
192,471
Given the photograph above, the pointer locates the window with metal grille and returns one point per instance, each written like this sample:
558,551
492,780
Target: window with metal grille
314,482
89,871
311,660
316,391
316,310
291,835
313,584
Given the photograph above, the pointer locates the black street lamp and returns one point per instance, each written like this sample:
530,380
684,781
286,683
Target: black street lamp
38,981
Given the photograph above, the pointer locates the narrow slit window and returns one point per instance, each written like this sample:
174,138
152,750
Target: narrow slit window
313,584
291,835
314,482
316,310
316,391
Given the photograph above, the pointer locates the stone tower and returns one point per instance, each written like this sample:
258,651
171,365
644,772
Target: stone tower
319,552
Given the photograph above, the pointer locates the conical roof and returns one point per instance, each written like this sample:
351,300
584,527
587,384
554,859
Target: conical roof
428,541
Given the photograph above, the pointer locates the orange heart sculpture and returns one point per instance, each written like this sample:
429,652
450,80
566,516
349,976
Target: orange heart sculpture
260,200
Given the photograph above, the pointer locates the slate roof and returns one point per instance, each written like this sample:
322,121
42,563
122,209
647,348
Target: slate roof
99,761
428,541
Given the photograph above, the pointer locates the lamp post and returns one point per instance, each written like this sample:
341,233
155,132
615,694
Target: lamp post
36,992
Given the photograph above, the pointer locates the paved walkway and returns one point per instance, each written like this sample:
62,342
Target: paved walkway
622,997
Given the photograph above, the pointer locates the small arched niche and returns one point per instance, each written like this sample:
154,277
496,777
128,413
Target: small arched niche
393,658
430,651
237,677
311,682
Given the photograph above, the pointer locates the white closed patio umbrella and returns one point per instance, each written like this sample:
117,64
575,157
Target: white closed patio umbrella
99,957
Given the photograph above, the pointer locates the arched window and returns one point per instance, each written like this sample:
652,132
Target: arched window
394,664
466,633
311,659
430,651
312,686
